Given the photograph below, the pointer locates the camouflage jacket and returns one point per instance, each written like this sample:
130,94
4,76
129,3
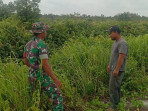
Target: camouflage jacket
34,51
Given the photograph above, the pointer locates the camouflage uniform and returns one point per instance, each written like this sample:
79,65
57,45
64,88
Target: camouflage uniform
36,50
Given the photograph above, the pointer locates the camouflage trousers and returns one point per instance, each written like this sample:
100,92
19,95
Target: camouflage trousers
47,86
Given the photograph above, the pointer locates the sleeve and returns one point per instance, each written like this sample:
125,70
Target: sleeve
24,54
43,54
123,48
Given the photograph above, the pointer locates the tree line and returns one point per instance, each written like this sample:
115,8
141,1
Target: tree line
28,11
126,16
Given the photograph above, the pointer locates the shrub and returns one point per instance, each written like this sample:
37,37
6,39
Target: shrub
13,37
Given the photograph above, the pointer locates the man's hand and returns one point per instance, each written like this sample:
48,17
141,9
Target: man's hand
58,83
108,69
115,73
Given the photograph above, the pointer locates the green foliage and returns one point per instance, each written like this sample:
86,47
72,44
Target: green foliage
136,103
27,10
81,66
126,16
136,65
6,10
80,54
14,87
61,30
13,30
122,105
83,62
15,93
35,101
13,37
96,103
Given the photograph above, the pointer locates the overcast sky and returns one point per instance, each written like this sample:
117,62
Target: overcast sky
93,7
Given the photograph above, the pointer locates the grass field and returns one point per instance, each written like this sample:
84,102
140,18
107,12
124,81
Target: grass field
81,65
79,49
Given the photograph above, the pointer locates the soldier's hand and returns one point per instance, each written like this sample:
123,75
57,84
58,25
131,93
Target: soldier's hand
58,83
108,70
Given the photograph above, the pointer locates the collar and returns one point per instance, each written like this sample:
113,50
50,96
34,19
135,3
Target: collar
35,37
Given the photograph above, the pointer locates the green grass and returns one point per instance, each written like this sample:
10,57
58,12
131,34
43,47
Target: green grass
81,66
14,87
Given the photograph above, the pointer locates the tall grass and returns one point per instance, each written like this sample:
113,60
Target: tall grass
81,66
14,87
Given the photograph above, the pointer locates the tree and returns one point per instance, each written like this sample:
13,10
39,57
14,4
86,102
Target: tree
1,2
3,10
127,16
6,10
27,10
11,7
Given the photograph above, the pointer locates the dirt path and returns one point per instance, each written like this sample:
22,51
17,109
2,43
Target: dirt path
145,102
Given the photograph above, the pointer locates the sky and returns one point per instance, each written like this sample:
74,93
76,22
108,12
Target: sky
93,7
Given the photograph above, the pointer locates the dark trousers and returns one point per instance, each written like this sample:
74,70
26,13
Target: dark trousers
114,88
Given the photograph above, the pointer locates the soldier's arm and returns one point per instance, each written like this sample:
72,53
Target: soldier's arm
44,57
48,69
26,62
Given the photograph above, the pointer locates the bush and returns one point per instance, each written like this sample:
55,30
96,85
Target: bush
81,66
61,30
14,34
13,37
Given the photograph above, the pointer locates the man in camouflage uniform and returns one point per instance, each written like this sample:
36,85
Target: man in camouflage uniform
36,57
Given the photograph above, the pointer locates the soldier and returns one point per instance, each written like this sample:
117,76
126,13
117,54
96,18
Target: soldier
36,57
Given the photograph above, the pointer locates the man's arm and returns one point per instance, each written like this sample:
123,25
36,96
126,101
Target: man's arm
26,62
119,63
123,50
48,70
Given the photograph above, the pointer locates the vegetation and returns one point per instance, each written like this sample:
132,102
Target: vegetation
79,50
81,66
26,10
12,30
13,37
